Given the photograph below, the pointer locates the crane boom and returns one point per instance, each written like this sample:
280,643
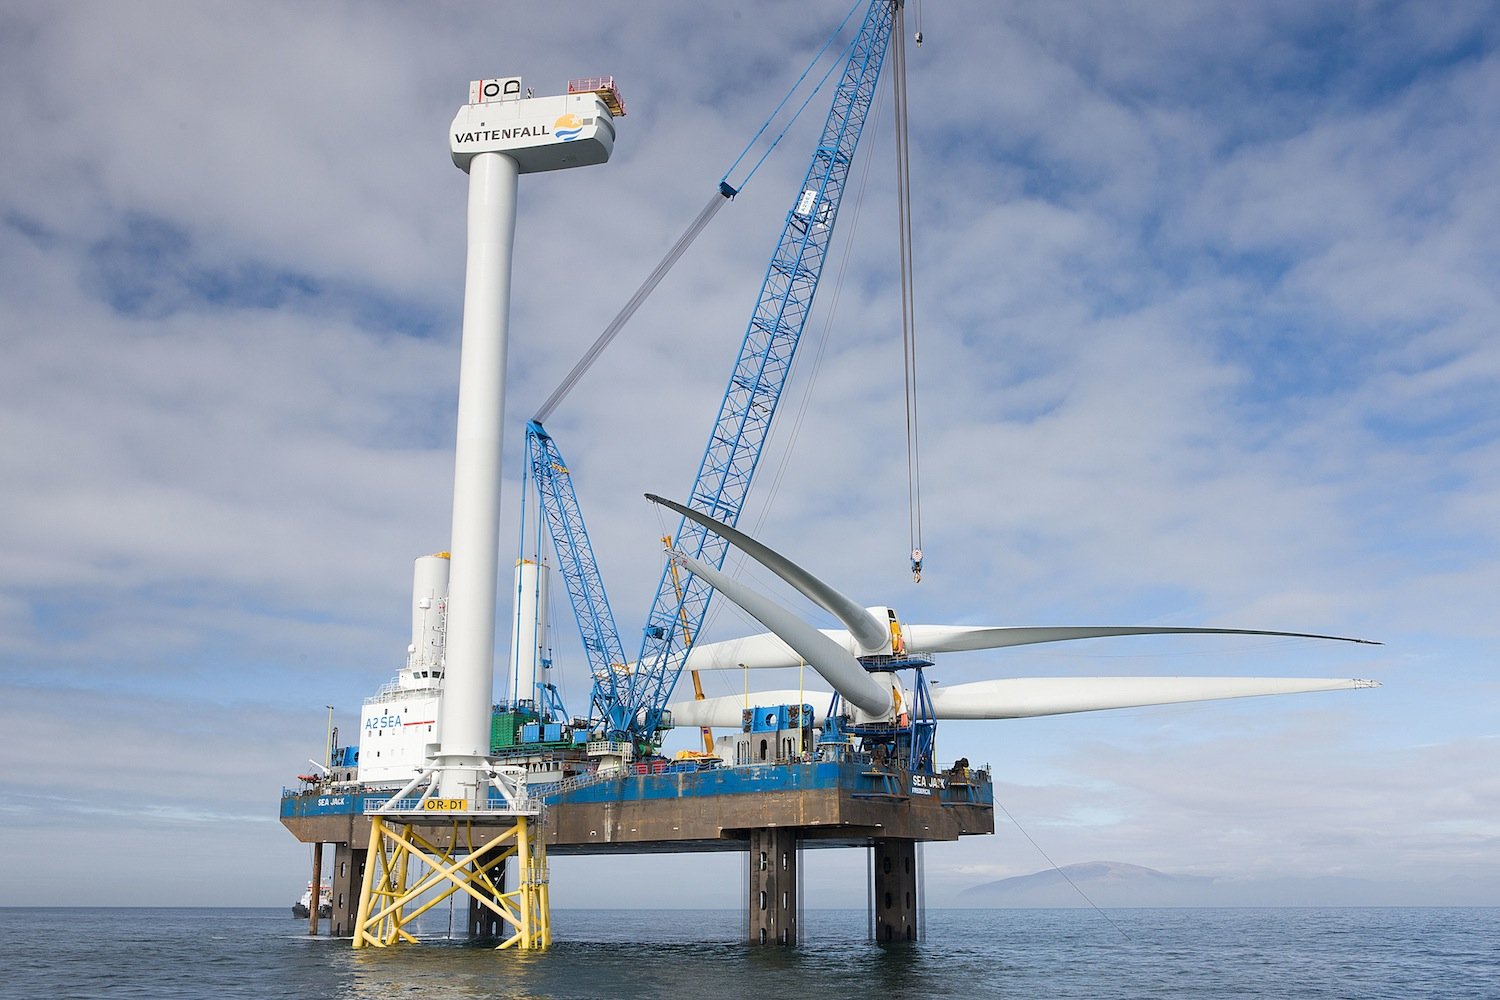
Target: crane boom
575,556
760,372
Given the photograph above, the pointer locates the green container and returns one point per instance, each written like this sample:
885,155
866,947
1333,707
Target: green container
505,728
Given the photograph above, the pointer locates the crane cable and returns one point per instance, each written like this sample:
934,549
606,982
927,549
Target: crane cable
724,193
835,64
908,308
699,223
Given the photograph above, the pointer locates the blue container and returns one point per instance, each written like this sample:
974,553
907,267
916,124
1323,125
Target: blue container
531,733
552,732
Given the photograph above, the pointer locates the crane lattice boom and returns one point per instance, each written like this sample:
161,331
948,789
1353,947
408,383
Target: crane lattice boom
575,556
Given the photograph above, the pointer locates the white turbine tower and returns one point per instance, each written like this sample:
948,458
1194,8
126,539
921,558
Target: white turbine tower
500,134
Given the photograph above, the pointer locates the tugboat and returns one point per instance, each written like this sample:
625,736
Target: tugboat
302,907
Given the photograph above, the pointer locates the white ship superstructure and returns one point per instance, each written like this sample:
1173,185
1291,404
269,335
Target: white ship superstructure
400,720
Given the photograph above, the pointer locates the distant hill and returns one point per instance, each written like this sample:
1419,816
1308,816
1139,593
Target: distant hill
1106,883
1113,883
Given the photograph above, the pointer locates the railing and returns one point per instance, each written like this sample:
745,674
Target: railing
605,87
629,771
529,806
575,782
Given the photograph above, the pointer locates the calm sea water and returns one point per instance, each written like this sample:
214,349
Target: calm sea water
1296,953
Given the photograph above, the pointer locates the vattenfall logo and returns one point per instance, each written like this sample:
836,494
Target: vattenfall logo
491,134
568,127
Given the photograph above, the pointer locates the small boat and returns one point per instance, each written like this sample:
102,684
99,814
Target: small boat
302,907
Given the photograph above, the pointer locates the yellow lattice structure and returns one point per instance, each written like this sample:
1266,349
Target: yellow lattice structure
396,892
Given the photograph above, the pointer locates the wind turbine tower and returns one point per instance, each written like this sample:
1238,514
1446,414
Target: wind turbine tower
463,815
499,135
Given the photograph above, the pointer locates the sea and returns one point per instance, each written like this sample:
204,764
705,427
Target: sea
1355,953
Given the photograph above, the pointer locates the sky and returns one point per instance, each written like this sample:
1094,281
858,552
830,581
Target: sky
1207,335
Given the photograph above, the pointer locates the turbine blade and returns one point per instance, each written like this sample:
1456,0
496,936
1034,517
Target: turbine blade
725,712
765,651
1025,697
957,638
872,634
834,663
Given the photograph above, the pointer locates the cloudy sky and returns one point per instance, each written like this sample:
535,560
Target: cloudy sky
1207,332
